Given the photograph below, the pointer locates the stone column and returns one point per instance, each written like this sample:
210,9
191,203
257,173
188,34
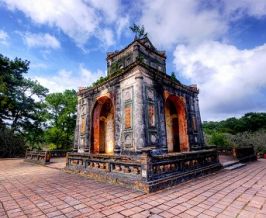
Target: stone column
118,121
82,125
76,136
138,118
199,124
77,133
162,125
88,125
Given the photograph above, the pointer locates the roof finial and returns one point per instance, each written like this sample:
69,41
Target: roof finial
139,31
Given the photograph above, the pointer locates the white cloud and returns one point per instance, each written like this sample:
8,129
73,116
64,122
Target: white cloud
110,9
107,37
79,19
3,37
65,79
41,40
171,22
231,81
122,24
74,18
238,8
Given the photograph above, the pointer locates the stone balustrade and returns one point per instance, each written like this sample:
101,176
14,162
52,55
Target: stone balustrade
146,172
42,157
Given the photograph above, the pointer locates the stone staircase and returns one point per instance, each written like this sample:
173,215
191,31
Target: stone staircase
231,165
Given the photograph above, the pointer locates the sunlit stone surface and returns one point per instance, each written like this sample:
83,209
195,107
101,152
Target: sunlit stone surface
138,106
140,127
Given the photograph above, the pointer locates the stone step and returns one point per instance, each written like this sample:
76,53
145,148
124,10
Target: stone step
230,163
234,166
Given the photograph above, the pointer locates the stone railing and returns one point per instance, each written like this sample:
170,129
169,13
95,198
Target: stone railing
42,157
59,153
243,154
105,163
146,172
167,165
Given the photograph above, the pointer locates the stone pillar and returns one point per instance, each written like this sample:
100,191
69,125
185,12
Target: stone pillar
77,133
199,124
162,125
82,124
138,118
118,120
88,125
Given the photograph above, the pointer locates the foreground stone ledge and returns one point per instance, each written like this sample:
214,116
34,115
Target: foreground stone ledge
145,172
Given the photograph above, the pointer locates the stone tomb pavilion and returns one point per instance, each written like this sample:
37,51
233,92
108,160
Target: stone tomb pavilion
140,127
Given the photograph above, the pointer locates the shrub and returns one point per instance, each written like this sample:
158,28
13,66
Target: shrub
257,139
219,139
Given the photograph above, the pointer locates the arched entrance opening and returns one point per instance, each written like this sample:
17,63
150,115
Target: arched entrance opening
176,124
103,126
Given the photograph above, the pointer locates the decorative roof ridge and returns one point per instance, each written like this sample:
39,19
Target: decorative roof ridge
192,88
160,53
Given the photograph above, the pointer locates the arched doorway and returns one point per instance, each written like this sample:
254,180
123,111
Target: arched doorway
103,126
176,124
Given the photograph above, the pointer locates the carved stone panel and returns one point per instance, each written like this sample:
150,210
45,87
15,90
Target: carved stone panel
150,94
83,125
153,138
128,140
83,109
194,125
151,114
128,116
127,94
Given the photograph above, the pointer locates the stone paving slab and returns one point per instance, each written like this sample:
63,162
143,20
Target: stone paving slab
28,190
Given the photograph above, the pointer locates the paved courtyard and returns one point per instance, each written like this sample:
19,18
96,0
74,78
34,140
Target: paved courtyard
28,190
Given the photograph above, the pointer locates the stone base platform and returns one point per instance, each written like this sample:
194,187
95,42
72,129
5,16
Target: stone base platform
145,172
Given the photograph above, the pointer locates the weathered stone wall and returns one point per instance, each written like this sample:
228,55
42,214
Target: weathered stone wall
133,121
139,113
133,53
154,113
81,124
194,128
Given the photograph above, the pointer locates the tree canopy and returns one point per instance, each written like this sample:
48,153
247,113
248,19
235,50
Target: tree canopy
61,118
249,122
29,116
247,130
21,99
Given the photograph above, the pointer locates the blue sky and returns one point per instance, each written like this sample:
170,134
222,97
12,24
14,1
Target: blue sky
218,44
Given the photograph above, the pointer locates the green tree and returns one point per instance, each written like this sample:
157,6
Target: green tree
61,109
21,99
244,131
249,122
21,103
